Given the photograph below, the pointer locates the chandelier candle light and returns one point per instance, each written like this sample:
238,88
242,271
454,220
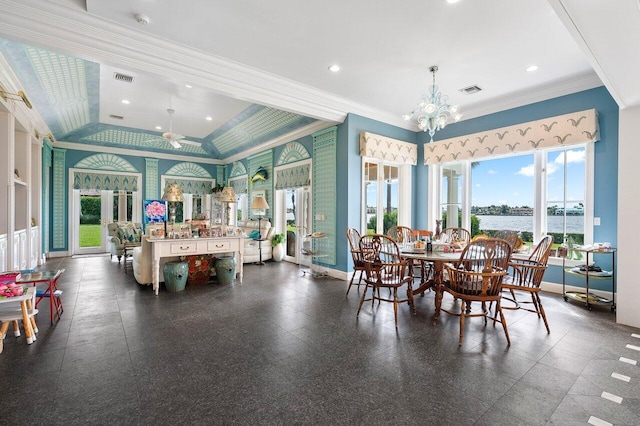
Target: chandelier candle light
433,111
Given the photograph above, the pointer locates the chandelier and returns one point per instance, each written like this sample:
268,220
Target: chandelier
433,111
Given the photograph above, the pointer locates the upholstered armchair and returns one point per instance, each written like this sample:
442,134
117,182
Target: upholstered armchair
121,233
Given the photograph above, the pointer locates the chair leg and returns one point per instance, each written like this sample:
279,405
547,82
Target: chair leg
503,321
119,257
535,304
364,294
462,318
544,316
395,306
350,284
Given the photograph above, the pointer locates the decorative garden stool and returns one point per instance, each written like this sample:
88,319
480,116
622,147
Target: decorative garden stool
225,269
175,275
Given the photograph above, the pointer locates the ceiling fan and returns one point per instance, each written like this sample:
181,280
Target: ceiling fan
169,136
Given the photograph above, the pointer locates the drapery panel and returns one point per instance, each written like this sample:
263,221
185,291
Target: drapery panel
105,181
388,149
293,177
553,132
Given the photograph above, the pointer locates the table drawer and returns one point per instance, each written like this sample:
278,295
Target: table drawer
222,245
184,248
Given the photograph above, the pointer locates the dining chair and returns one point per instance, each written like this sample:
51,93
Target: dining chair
385,268
455,234
353,236
401,234
527,276
509,236
477,277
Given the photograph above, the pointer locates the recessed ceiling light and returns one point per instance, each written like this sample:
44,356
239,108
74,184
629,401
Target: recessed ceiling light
532,68
208,118
158,127
452,1
125,101
188,86
334,68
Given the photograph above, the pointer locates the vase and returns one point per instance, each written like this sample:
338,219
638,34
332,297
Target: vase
277,253
225,269
175,275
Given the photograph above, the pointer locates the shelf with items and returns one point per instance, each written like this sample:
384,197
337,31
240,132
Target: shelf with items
589,271
313,249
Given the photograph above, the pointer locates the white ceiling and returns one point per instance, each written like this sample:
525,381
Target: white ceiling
276,54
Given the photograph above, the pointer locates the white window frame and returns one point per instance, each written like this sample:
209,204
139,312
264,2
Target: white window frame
405,199
540,196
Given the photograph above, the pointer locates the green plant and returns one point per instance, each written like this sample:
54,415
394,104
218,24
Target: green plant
277,239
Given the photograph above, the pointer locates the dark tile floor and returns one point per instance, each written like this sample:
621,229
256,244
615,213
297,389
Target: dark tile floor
286,349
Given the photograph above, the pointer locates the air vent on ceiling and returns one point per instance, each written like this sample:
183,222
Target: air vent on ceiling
471,89
123,77
116,117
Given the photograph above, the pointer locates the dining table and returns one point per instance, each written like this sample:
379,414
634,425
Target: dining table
433,281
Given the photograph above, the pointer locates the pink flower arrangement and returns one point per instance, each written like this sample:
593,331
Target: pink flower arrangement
11,290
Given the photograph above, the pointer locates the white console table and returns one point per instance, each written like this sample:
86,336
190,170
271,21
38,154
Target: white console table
193,246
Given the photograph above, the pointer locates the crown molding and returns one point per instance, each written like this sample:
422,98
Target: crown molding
134,153
587,81
80,34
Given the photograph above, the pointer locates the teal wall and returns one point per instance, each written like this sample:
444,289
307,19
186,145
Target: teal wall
73,156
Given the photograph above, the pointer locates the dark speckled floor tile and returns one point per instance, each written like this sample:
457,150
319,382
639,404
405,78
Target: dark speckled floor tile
285,349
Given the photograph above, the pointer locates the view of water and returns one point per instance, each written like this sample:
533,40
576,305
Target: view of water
575,224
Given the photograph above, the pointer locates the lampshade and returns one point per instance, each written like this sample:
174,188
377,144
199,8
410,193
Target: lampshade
172,192
228,195
259,203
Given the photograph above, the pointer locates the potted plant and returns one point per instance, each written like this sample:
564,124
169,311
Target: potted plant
278,247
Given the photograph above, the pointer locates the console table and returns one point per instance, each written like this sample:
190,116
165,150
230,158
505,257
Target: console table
192,246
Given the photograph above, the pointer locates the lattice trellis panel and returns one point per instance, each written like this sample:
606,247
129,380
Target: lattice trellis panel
324,185
152,179
59,202
265,160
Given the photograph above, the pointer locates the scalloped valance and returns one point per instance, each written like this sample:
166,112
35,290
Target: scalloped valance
239,185
553,132
188,186
105,181
387,149
293,177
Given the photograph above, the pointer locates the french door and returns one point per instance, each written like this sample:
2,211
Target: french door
293,219
92,211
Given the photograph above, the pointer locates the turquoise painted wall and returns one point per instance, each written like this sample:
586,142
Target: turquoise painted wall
73,156
606,159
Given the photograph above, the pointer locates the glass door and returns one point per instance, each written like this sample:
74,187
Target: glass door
93,210
293,219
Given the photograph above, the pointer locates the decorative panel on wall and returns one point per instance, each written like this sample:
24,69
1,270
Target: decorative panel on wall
264,160
59,222
152,179
46,187
324,189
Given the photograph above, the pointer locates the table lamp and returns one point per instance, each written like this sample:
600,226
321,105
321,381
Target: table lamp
259,203
172,194
228,196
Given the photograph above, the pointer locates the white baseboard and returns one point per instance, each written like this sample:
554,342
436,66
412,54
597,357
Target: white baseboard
58,254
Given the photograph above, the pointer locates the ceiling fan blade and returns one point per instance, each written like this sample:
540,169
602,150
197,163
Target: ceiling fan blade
175,143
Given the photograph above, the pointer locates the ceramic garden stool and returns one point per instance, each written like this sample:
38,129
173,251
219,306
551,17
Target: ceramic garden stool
175,275
225,269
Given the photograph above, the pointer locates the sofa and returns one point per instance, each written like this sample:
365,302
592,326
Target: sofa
121,232
251,252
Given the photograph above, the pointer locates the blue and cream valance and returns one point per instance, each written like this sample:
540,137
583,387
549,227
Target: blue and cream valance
553,132
388,149
239,185
105,181
189,186
293,177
